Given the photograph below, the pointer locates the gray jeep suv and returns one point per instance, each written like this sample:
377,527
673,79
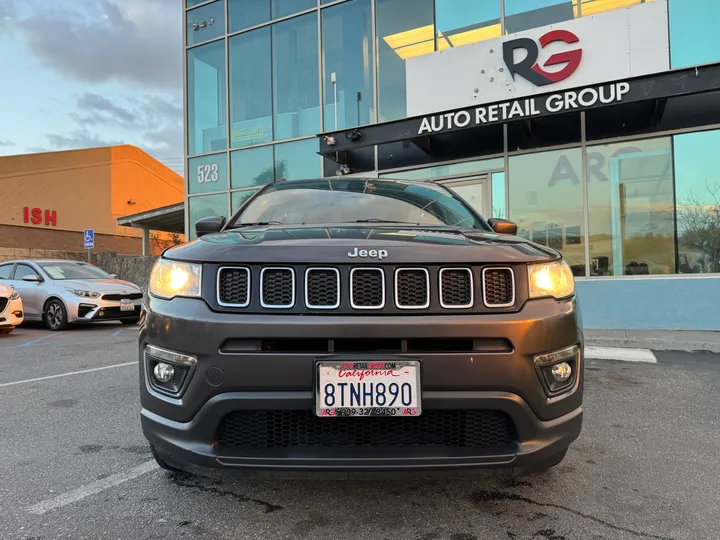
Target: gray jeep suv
353,326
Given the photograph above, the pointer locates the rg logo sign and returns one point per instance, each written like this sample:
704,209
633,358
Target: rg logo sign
529,68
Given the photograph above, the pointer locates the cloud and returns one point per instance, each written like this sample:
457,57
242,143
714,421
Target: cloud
79,138
138,42
5,144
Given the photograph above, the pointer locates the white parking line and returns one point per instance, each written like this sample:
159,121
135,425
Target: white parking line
91,489
67,374
623,354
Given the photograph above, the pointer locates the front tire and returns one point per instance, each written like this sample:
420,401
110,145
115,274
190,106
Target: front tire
55,316
5,331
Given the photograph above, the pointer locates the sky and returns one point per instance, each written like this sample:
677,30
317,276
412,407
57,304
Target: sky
88,73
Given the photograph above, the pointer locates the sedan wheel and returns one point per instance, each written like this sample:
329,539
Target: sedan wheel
55,316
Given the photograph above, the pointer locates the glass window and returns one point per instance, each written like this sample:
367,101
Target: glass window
247,13
250,88
498,195
526,14
297,160
206,106
546,202
239,198
697,189
205,23
593,7
348,65
73,270
206,206
296,92
401,33
283,8
252,167
23,270
5,270
632,222
451,169
193,3
207,174
694,36
460,22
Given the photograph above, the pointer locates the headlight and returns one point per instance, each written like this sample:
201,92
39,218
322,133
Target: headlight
15,295
170,279
83,294
552,279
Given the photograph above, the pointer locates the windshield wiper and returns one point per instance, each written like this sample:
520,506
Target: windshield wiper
257,223
376,220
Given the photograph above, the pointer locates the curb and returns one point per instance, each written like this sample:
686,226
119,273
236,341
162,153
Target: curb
655,344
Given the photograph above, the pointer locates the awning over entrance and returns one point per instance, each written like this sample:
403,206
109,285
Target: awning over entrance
638,103
169,219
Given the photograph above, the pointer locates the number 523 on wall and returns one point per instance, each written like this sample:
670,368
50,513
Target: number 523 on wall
208,173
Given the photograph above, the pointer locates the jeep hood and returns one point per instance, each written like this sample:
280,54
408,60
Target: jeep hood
332,245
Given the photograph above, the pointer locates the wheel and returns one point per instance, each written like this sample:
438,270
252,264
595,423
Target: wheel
55,316
160,461
5,331
130,321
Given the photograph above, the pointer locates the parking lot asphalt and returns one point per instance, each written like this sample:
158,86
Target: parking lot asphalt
74,463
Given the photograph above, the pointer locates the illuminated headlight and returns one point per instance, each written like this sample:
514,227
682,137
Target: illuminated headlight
15,295
83,294
170,279
551,279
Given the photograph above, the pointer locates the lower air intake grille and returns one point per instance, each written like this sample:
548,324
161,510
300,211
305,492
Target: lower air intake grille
498,287
3,304
278,287
234,286
322,288
286,429
411,288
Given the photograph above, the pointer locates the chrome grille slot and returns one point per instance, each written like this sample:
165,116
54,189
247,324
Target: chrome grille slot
277,288
322,288
456,288
233,286
367,288
498,287
412,288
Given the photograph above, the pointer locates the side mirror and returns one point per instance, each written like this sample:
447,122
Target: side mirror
209,225
31,279
503,226
114,276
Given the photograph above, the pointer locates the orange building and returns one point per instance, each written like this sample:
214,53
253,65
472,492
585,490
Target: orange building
47,200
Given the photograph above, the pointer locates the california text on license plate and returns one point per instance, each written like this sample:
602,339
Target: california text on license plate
389,388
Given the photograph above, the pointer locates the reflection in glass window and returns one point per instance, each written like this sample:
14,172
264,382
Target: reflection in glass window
451,169
207,174
460,22
250,88
297,160
632,221
593,7
296,93
697,191
206,206
401,33
526,14
252,167
247,13
206,102
546,202
193,3
498,195
283,8
239,198
348,61
206,22
694,36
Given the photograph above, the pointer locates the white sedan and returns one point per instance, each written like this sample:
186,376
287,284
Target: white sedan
11,309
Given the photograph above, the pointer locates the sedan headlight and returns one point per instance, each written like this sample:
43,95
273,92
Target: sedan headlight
170,279
83,294
551,279
15,295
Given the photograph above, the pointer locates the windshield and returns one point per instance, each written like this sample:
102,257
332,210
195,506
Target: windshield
73,270
354,200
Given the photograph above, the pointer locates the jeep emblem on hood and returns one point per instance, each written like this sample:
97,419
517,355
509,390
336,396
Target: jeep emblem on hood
379,253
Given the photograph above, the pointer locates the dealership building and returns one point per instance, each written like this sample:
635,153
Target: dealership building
592,124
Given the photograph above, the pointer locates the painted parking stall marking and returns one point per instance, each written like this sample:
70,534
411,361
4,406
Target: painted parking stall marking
622,354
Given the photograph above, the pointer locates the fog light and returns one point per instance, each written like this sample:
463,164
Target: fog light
163,372
562,371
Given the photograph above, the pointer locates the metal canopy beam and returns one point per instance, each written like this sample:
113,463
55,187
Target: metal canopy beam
167,219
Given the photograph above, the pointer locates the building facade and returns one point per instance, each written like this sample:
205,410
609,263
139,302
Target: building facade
47,200
593,124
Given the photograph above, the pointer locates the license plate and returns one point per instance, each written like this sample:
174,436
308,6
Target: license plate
389,388
127,306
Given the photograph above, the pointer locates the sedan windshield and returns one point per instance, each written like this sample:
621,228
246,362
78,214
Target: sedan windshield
354,200
73,270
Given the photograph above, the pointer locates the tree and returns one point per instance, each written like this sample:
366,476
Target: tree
162,243
698,222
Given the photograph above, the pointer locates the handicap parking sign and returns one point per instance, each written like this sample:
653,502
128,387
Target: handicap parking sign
89,238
